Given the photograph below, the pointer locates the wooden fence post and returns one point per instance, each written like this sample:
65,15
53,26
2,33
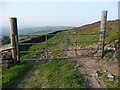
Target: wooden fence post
14,39
102,33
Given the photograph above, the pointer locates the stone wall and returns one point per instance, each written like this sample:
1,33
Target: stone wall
6,58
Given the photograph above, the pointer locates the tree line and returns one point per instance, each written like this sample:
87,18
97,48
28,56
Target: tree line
5,40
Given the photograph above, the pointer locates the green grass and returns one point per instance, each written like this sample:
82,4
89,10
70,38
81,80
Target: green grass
56,74
111,37
14,75
30,55
109,54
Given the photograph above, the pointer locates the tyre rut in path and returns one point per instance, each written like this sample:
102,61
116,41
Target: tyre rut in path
88,67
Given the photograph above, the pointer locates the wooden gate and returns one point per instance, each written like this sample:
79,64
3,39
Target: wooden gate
57,45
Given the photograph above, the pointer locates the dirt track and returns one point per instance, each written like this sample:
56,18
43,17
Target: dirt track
88,66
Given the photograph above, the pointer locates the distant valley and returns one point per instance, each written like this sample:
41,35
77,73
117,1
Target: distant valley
25,30
34,30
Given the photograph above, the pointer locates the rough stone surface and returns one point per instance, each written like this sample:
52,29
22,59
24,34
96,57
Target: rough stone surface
6,59
111,77
6,55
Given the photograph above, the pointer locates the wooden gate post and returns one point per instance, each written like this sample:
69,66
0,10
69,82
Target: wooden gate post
102,33
14,39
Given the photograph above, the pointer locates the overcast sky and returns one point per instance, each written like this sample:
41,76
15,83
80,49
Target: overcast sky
56,13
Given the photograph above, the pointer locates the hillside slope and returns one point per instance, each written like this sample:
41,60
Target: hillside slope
67,73
70,37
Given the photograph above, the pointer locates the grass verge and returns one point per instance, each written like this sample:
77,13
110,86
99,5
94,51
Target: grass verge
12,76
55,74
